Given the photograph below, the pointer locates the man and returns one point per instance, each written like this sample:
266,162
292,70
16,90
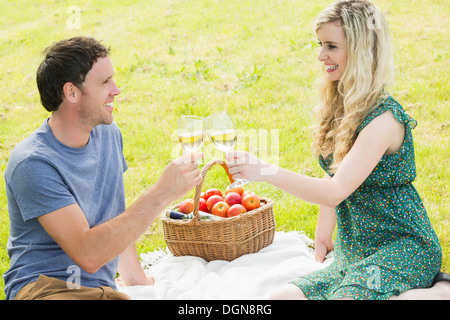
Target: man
69,230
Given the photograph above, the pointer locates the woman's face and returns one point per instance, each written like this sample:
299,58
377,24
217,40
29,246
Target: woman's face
333,51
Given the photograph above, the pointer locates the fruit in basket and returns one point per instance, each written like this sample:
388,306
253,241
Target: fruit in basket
202,205
250,201
235,210
247,200
220,209
212,192
239,190
212,200
187,206
232,198
246,193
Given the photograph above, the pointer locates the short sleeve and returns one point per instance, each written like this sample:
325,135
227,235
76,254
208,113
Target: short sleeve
38,188
396,109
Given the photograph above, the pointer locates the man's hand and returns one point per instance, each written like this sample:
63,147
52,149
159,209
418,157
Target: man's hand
180,176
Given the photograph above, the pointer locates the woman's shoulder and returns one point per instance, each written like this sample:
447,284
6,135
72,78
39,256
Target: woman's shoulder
389,104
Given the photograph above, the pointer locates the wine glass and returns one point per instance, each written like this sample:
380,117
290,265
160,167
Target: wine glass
222,133
190,133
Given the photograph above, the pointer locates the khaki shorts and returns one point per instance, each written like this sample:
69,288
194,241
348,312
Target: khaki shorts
46,288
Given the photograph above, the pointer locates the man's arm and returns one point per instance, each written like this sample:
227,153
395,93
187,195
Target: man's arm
91,248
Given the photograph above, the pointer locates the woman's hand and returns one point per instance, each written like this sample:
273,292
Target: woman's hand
244,165
322,249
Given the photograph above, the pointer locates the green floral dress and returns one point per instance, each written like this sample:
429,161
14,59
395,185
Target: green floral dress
385,243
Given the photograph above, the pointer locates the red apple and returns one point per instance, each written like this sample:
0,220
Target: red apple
212,192
187,206
247,193
239,190
236,209
212,201
232,198
250,201
220,209
202,195
202,205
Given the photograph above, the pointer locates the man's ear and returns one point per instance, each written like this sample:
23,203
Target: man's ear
71,92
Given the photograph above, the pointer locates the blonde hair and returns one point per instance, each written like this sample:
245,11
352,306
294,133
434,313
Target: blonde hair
346,102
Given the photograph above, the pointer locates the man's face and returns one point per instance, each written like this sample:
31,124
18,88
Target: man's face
99,90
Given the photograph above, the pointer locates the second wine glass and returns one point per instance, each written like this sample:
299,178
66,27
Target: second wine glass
222,132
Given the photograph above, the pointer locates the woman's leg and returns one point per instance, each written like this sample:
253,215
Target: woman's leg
440,291
288,292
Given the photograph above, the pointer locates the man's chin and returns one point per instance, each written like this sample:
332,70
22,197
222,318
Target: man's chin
109,119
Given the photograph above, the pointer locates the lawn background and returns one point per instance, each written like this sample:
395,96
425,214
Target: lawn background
255,59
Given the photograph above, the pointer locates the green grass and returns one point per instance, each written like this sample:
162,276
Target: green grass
258,60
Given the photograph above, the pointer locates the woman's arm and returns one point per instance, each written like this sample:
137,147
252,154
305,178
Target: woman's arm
372,143
326,223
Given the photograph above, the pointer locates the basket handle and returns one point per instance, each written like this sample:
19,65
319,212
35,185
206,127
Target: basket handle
198,188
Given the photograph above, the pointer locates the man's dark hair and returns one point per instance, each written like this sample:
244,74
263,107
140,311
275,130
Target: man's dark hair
65,61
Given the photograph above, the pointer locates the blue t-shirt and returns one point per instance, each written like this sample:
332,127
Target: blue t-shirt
44,175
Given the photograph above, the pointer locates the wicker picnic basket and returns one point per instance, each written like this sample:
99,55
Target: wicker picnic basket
224,239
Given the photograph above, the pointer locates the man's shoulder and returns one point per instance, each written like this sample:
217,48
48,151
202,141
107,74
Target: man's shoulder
27,149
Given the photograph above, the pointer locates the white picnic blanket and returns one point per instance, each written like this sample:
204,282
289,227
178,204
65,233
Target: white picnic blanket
252,276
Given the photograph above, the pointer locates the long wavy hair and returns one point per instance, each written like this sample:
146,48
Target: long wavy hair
346,102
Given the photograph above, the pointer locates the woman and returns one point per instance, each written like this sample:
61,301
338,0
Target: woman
385,244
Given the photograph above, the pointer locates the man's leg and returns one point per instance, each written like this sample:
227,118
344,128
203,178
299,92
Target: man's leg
46,288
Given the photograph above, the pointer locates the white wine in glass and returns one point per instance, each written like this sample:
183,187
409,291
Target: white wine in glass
224,140
191,142
222,132
190,133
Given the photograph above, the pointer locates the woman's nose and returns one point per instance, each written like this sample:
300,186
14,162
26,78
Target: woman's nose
322,55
